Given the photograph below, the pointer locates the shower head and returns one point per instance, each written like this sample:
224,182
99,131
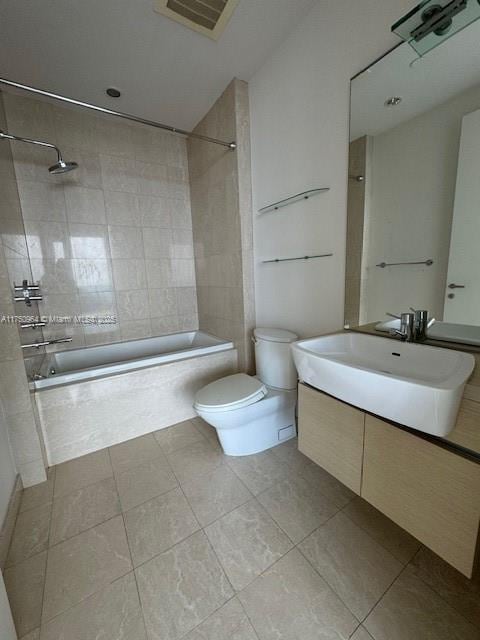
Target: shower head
62,167
59,167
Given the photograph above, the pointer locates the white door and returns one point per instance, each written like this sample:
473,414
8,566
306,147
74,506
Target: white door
463,281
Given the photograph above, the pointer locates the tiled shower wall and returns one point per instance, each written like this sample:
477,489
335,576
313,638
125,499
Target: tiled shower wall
220,182
113,237
15,402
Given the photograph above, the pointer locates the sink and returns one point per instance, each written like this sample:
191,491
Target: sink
446,331
413,384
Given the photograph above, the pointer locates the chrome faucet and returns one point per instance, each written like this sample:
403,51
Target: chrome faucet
422,323
407,326
413,325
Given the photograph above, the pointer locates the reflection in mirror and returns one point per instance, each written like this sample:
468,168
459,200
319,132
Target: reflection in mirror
414,220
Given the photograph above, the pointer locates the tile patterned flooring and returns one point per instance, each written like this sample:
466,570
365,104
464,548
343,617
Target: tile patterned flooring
164,537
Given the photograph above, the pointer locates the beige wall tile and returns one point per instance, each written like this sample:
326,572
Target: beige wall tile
85,205
133,305
42,201
222,226
162,302
129,274
89,241
125,242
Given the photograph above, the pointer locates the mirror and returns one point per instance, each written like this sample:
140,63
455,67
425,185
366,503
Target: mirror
413,229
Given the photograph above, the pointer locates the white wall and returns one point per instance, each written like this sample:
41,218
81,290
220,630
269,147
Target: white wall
411,181
7,480
299,103
7,468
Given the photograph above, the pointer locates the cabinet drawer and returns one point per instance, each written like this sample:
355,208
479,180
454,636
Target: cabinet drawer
432,493
331,434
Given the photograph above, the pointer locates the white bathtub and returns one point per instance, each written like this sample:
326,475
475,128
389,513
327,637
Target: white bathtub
89,363
101,396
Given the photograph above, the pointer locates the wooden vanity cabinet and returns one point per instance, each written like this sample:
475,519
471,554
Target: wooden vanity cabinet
331,434
431,492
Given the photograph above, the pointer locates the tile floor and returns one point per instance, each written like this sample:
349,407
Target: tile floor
164,537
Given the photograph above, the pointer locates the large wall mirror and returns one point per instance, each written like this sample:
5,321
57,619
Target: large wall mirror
413,237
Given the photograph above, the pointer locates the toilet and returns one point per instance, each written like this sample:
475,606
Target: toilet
254,413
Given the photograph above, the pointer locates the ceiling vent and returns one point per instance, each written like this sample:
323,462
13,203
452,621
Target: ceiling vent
209,17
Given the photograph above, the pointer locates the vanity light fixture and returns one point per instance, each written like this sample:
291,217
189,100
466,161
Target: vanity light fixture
393,101
432,22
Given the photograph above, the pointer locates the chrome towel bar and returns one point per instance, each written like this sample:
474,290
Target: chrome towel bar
323,255
382,265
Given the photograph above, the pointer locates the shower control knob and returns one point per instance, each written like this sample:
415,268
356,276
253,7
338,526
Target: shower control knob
451,296
456,286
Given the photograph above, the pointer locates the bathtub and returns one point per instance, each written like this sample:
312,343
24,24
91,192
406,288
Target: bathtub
89,363
97,397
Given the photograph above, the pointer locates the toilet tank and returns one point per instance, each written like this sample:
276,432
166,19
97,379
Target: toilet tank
274,359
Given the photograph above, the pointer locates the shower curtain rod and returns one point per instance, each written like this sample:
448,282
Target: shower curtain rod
119,114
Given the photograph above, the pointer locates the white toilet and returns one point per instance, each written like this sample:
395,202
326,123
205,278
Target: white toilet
252,414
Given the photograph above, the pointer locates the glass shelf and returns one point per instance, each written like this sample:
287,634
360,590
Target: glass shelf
305,195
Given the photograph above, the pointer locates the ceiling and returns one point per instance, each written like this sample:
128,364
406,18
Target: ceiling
422,83
165,71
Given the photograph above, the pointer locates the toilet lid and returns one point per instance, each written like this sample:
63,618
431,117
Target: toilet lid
232,392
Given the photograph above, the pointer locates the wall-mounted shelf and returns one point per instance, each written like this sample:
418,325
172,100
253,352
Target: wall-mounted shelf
305,195
323,255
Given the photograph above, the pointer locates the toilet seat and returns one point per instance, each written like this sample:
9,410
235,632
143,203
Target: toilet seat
229,393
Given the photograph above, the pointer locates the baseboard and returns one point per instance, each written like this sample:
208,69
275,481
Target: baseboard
8,525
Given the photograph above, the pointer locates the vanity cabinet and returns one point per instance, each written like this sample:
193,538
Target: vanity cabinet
431,492
331,434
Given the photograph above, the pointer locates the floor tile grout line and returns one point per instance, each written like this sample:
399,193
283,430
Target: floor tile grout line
42,504
448,604
332,588
202,529
53,546
286,533
249,619
46,565
343,510
90,484
131,559
83,600
210,615
10,546
384,593
204,526
329,585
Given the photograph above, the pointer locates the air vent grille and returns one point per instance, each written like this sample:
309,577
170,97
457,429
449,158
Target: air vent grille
209,17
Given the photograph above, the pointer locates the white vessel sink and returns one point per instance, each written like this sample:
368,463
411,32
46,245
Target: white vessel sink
446,331
412,384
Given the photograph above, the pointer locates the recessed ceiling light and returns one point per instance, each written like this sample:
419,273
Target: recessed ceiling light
113,93
394,101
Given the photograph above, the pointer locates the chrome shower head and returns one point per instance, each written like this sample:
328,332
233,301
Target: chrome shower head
62,167
59,167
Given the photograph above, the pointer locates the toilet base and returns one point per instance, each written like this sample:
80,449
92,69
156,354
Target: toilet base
257,427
